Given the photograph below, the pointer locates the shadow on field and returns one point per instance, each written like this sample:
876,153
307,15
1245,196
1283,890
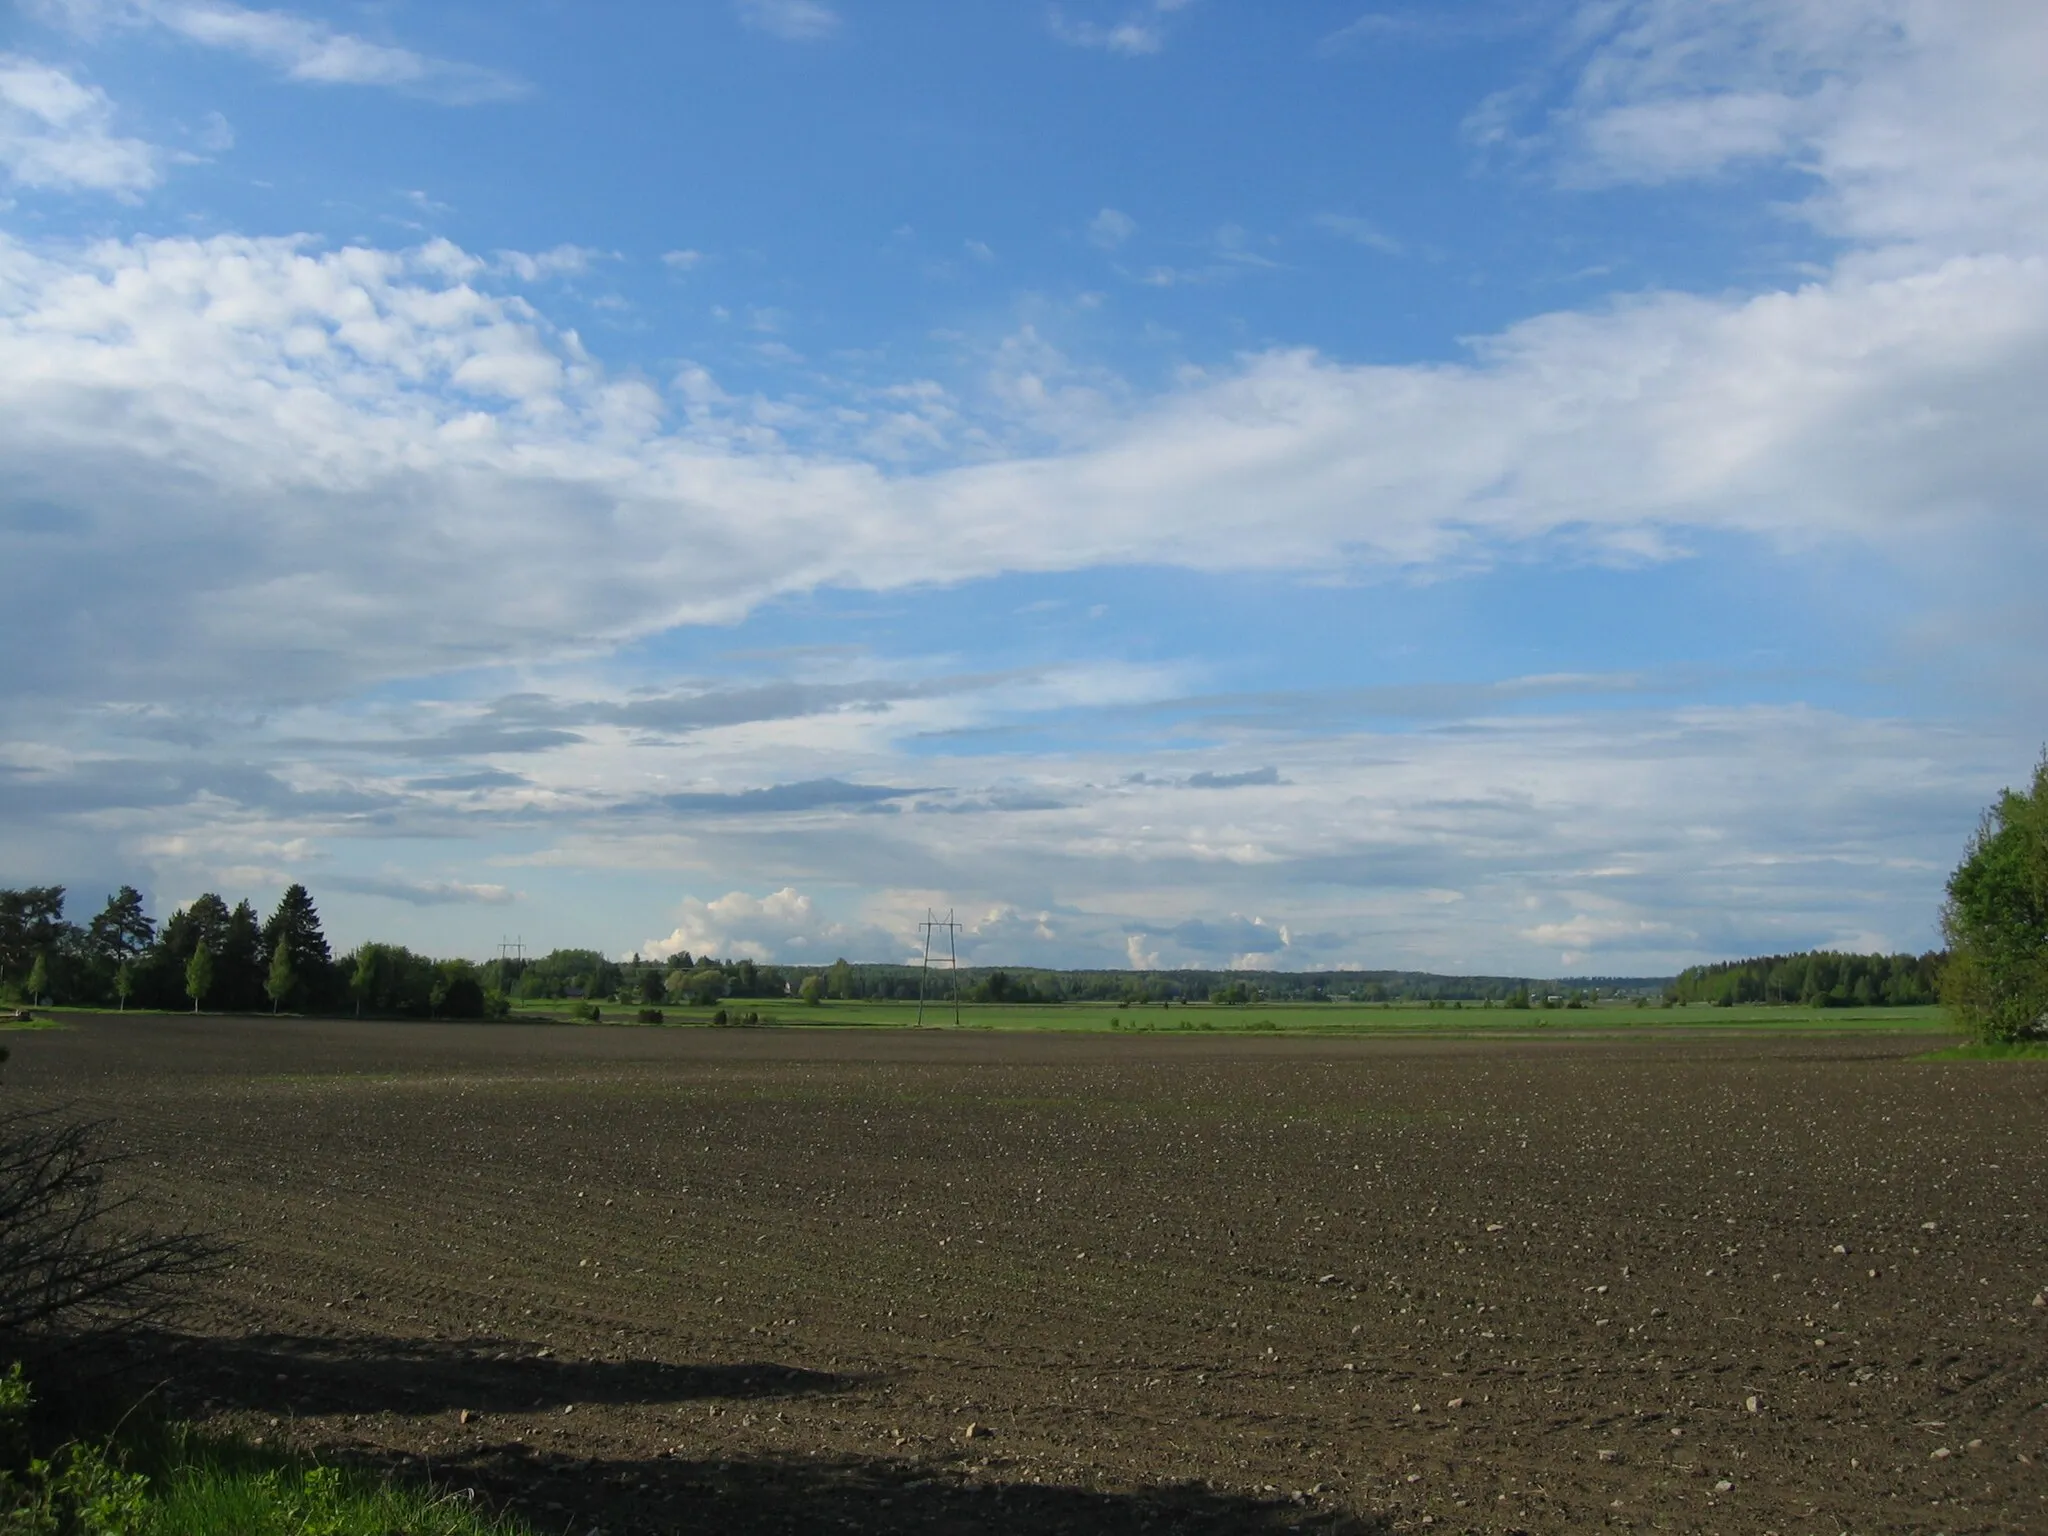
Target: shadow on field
293,1375
296,1375
789,1494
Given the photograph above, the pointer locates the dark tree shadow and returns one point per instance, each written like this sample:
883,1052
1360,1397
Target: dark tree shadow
304,1376
781,1495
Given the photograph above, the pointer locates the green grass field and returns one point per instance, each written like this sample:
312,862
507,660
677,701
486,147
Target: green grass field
1286,1018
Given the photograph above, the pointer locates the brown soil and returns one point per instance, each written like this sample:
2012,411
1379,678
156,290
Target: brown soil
776,1280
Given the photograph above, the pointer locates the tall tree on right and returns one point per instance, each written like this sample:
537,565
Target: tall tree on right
1996,920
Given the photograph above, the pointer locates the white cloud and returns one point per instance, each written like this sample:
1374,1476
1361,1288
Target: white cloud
360,450
681,261
422,893
300,47
58,134
1111,228
537,266
1920,121
798,21
1141,30
738,925
324,469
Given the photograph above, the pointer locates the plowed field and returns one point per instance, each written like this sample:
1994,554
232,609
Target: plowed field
777,1279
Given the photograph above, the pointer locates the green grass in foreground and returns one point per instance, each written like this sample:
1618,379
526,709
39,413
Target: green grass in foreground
2016,1050
1285,1018
212,1494
167,1480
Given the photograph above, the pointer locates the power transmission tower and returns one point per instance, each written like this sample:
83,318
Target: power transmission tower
930,927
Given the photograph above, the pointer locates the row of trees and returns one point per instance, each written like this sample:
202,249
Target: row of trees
1815,979
208,952
211,955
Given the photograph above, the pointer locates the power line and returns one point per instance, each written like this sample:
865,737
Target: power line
930,927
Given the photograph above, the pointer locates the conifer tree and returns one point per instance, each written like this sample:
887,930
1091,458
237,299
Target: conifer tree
296,924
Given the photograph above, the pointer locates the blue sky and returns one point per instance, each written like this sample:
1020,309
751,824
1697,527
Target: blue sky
1532,487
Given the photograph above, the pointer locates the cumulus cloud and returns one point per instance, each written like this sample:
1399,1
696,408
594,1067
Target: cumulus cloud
366,452
738,925
56,133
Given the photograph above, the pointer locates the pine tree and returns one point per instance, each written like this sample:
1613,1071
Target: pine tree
122,929
199,975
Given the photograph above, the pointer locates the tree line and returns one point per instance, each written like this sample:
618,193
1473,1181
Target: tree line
1815,979
225,959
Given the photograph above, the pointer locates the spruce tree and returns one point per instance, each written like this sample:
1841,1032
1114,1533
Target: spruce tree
296,924
238,962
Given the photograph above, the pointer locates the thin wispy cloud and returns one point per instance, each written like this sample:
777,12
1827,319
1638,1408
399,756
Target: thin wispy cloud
1360,232
557,261
1137,32
422,893
1437,27
796,21
299,47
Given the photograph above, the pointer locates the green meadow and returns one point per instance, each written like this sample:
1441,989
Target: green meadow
1279,1018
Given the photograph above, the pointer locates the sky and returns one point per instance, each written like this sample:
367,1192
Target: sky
1519,486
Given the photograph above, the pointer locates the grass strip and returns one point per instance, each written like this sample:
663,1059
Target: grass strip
168,1479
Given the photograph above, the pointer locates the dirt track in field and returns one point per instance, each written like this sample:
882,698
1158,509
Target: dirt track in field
741,1281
